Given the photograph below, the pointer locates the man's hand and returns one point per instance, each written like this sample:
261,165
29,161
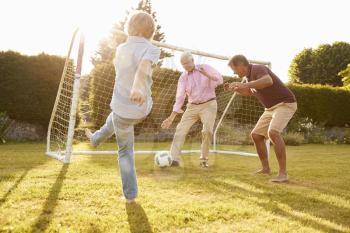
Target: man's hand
237,86
137,96
226,86
167,123
202,71
205,73
240,88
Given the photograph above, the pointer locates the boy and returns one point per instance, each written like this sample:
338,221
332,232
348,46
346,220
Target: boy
131,100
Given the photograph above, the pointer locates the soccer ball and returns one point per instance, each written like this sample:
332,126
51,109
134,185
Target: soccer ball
163,159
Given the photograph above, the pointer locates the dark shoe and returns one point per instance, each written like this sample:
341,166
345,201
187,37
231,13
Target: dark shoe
175,163
204,163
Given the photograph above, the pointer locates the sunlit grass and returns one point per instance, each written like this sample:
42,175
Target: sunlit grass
41,194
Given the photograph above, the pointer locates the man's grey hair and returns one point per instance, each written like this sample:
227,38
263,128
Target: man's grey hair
186,55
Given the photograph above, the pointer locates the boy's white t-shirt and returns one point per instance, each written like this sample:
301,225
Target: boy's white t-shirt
127,59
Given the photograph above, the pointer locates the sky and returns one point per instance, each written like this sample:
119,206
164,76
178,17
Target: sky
269,30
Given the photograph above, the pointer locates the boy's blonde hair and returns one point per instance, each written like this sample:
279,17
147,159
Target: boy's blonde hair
140,23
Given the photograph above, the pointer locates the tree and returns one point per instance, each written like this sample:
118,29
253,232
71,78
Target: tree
301,67
346,76
321,65
107,47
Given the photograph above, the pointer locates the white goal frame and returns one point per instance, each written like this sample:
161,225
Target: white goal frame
65,155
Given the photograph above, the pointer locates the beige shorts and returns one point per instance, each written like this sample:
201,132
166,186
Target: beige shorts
275,118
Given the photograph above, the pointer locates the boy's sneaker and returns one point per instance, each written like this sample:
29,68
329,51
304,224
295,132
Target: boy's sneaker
128,201
88,134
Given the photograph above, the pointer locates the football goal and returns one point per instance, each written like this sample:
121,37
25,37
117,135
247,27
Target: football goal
83,99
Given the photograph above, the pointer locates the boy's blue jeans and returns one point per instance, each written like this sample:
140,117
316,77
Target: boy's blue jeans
124,131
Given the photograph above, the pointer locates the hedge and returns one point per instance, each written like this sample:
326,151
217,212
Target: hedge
326,105
323,105
28,86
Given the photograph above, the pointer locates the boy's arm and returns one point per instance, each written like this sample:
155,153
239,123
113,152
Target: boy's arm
137,91
144,70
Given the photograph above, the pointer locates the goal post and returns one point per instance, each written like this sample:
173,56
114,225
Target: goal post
72,71
83,100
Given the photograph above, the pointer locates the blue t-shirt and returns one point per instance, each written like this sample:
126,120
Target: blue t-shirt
127,59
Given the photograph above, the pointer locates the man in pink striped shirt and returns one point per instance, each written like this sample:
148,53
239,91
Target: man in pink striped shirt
198,83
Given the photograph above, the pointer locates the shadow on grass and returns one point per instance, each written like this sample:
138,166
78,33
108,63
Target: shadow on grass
14,186
93,229
137,219
16,162
45,217
303,209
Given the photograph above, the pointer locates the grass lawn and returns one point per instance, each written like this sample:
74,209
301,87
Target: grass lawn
40,194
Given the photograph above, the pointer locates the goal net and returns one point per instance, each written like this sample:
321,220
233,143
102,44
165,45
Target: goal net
83,102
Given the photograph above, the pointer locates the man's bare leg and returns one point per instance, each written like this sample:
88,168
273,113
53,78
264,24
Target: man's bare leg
280,150
260,145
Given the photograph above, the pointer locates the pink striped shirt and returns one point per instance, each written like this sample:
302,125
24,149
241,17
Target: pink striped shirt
198,87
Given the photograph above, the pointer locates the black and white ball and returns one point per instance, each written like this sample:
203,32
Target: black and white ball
162,159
